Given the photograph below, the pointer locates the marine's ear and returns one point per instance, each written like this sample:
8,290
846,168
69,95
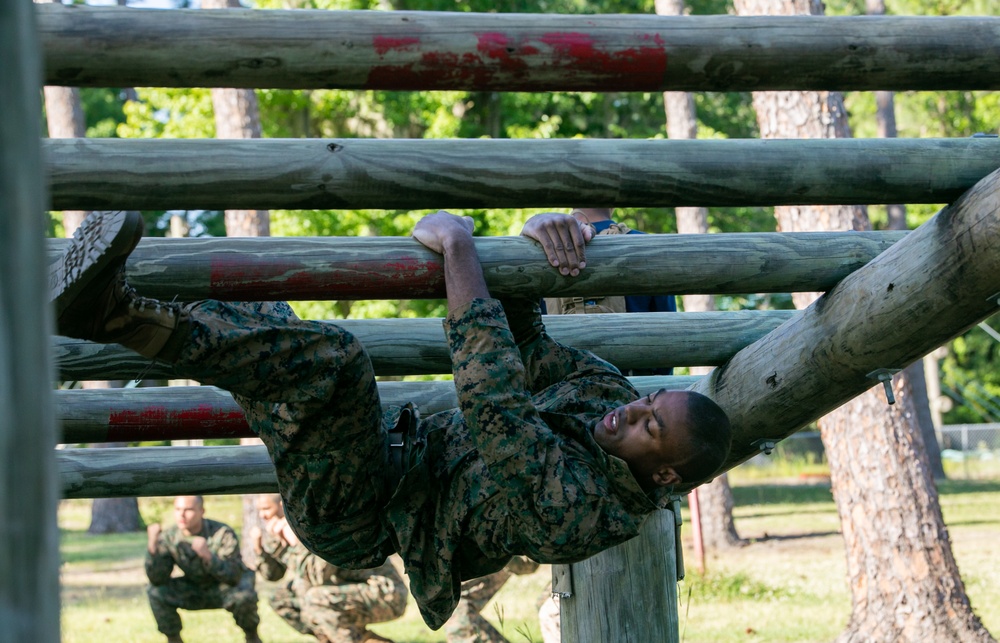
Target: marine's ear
665,476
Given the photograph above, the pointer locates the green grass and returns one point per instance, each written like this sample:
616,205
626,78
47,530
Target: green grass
789,585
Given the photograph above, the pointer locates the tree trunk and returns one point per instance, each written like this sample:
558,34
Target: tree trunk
885,117
65,119
237,115
905,585
715,500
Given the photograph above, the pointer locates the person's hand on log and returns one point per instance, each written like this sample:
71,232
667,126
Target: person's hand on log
438,231
153,536
563,238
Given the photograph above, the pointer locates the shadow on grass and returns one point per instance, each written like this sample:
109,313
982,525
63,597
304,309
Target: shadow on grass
790,537
768,494
83,594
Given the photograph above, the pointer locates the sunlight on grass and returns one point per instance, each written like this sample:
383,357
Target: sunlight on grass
789,585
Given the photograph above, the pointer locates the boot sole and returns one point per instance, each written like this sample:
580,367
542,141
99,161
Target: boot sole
102,241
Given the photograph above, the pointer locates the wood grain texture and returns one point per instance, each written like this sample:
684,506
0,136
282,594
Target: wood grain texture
165,471
201,412
29,538
418,347
931,286
161,174
333,268
643,569
407,50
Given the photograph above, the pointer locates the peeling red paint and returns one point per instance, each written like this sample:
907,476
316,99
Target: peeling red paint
238,279
385,44
163,423
569,61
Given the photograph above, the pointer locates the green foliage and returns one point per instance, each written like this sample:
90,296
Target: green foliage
721,587
969,372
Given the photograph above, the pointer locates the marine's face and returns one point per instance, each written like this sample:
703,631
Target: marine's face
188,513
650,434
268,509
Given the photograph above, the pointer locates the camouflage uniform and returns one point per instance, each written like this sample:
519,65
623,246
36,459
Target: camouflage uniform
466,624
330,603
514,470
224,583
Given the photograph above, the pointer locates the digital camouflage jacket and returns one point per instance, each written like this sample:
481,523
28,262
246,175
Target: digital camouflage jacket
174,548
515,470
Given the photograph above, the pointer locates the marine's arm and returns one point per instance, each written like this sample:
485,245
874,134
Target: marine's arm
225,563
159,563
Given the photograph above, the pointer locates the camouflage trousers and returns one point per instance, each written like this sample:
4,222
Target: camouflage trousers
180,593
308,391
466,624
340,613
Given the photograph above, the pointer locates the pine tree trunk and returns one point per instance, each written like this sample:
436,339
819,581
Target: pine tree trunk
237,115
715,500
885,118
904,583
65,119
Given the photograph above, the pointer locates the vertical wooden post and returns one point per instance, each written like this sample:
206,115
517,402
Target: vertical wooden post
626,594
29,556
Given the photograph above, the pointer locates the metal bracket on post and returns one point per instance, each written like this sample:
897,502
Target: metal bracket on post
764,444
675,506
562,581
884,375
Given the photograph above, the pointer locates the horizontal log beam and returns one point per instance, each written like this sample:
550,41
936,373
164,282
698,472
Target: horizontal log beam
351,268
418,347
931,286
202,412
164,174
164,471
397,50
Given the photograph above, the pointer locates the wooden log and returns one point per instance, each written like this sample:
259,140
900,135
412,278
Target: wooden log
165,471
931,286
348,268
643,569
200,412
418,347
407,50
146,174
29,539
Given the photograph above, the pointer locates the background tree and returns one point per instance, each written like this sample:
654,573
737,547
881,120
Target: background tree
714,500
885,119
237,115
905,585
64,117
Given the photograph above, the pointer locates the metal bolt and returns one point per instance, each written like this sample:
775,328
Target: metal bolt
884,375
765,445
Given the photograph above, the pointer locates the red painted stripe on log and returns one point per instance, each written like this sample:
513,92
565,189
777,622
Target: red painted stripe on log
235,278
503,62
162,423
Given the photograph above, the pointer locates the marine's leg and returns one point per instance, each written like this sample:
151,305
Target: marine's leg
241,602
166,599
308,388
343,612
287,605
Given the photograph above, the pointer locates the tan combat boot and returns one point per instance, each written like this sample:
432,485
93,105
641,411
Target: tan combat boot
92,298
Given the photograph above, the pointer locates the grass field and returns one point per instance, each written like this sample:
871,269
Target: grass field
788,585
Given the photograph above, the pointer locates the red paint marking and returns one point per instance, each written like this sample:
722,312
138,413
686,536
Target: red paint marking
163,423
385,44
572,61
237,279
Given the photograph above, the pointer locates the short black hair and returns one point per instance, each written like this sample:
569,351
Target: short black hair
711,438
